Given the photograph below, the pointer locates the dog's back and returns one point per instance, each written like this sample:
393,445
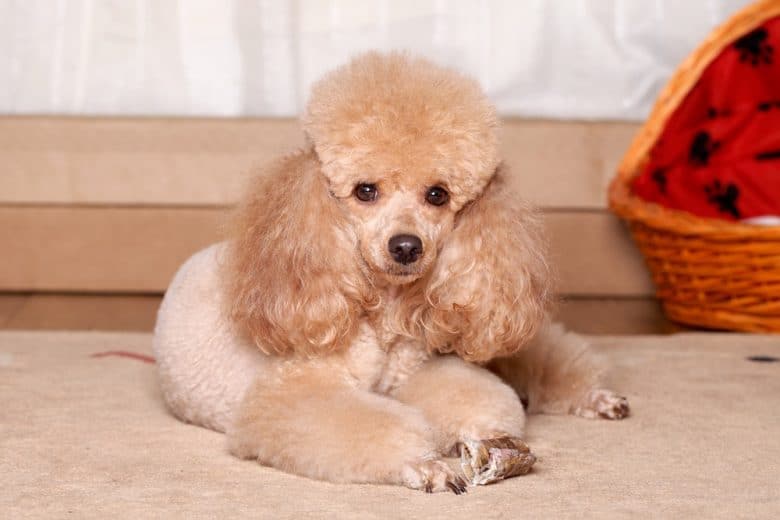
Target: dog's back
204,367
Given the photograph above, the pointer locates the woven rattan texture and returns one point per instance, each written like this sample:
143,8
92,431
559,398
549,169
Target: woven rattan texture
708,273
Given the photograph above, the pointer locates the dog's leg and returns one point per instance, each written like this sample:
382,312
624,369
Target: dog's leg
473,410
315,423
557,374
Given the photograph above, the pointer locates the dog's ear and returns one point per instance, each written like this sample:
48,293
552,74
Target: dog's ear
292,277
489,291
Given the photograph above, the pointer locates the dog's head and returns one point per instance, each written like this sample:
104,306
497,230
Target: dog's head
401,186
404,145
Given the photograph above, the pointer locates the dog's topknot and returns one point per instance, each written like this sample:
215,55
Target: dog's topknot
394,106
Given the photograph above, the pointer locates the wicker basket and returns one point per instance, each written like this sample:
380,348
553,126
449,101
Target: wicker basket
709,273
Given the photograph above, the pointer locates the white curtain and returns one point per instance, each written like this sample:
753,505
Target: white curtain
547,58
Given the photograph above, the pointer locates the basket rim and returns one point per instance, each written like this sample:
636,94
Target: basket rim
634,209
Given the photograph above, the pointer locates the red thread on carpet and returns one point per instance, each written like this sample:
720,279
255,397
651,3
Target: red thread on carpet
124,353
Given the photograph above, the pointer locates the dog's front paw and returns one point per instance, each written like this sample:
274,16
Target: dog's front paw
604,404
490,460
433,476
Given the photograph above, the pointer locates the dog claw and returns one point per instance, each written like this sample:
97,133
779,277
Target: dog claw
603,404
619,410
433,476
458,486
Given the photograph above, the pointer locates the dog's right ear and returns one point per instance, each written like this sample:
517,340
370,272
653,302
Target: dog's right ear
292,277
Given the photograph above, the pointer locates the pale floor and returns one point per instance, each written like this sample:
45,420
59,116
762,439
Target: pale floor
137,313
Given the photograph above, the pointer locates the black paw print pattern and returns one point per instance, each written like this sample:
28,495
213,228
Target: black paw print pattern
770,155
659,177
713,113
724,196
754,49
702,148
766,106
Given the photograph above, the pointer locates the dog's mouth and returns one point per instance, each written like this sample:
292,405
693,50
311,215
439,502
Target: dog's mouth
394,273
403,274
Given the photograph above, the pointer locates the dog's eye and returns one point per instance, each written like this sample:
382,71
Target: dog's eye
366,192
437,195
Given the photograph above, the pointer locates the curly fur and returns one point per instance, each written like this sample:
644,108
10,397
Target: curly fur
489,291
317,353
411,125
303,294
385,113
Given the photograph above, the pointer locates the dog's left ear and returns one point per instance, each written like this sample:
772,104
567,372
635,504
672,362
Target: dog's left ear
489,291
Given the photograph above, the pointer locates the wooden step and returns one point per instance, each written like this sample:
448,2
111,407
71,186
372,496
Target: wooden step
193,162
137,250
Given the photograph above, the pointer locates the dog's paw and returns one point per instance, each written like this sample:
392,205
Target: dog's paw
433,476
490,460
600,403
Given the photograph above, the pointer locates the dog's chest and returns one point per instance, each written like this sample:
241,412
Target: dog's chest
382,362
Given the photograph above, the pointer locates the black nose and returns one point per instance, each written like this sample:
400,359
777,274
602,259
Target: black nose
405,249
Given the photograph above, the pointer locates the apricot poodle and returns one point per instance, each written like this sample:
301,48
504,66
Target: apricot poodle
383,300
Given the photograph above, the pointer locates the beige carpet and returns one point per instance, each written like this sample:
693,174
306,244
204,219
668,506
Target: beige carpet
86,437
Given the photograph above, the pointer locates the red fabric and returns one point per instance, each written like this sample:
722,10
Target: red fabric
719,155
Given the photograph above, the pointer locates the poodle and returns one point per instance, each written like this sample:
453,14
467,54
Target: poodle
382,301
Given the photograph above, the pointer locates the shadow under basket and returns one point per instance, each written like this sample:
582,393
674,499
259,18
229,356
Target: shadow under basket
708,273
